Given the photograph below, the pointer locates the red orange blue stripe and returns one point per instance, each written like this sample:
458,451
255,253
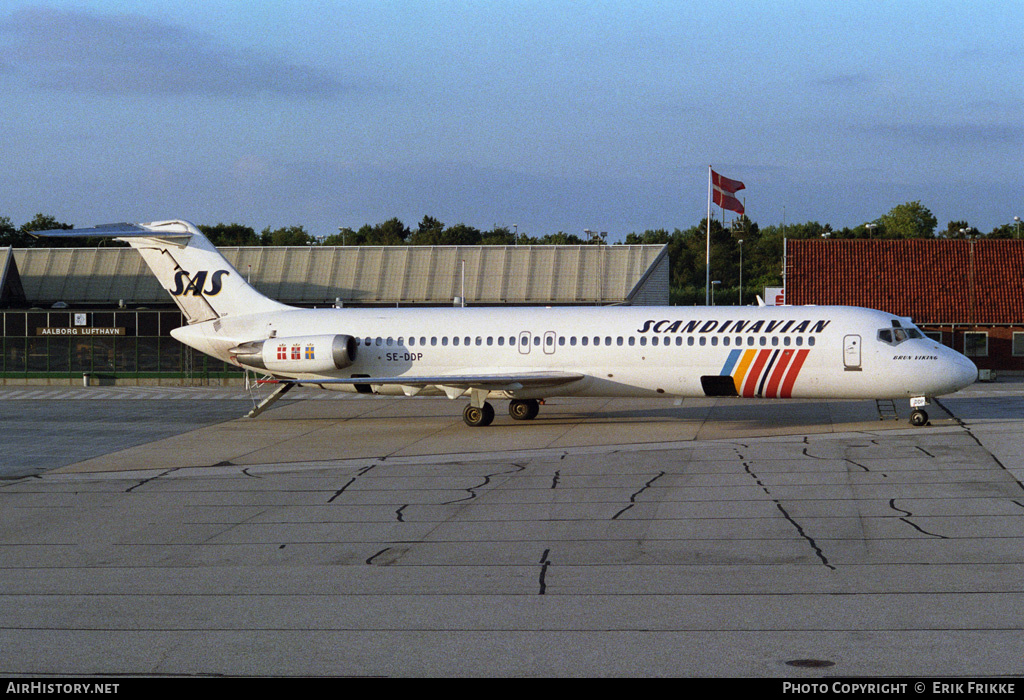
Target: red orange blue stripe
764,373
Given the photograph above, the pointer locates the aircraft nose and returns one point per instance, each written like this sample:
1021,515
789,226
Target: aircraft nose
962,372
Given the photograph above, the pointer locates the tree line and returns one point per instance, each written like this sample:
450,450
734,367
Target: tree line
739,248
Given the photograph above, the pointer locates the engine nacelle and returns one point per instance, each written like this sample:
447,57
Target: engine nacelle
300,354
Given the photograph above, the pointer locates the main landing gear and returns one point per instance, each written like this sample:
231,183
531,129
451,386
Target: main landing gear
483,415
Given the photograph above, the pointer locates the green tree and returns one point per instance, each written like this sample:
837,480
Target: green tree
910,220
9,235
461,234
953,229
390,232
1011,230
230,235
499,235
344,236
289,235
44,222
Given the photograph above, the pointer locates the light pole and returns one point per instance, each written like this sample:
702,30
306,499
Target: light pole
1016,221
871,229
741,272
713,283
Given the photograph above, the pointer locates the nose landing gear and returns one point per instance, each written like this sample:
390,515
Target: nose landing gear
918,416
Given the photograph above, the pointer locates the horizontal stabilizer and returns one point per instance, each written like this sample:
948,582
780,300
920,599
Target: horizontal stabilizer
122,230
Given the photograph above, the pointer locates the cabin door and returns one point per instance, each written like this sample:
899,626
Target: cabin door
549,343
851,353
524,342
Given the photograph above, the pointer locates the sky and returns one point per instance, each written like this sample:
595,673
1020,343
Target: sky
545,116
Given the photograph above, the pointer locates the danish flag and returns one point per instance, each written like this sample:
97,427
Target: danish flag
722,190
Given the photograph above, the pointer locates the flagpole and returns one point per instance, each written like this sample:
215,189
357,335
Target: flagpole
707,255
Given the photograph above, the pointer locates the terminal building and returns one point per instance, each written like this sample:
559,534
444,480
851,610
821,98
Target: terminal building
100,314
967,294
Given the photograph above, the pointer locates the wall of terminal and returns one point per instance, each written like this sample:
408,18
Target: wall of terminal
129,346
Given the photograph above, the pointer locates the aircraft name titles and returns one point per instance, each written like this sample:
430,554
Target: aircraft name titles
714,326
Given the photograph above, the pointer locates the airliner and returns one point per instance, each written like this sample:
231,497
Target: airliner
528,354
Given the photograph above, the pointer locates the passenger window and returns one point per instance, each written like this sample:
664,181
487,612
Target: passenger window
536,340
444,340
572,341
714,340
607,340
618,341
379,342
785,341
479,340
689,341
679,340
455,340
501,340
654,340
775,340
703,340
799,340
763,341
810,341
561,340
412,341
725,340
433,340
584,340
632,340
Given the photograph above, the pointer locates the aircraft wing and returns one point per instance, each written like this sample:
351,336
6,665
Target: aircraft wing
490,382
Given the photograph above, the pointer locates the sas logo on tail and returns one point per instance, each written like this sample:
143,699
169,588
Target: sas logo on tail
183,285
765,373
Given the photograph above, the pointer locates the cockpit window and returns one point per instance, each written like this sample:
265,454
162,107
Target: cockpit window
897,334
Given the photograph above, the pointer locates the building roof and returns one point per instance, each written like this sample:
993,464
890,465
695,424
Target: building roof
370,274
10,281
931,281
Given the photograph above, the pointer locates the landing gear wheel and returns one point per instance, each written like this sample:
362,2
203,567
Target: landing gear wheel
524,409
478,417
918,417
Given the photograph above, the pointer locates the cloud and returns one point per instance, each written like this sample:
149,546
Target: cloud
955,134
127,54
845,81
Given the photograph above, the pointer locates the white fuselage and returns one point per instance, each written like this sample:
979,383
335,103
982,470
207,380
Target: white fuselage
776,352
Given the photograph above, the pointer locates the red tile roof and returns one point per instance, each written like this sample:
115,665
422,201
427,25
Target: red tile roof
932,281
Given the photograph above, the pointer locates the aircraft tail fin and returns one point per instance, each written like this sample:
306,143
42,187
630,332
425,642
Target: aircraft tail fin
201,281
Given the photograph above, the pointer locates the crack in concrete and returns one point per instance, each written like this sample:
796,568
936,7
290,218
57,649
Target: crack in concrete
632,499
787,516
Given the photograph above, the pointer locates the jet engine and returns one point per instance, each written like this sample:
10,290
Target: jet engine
299,354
